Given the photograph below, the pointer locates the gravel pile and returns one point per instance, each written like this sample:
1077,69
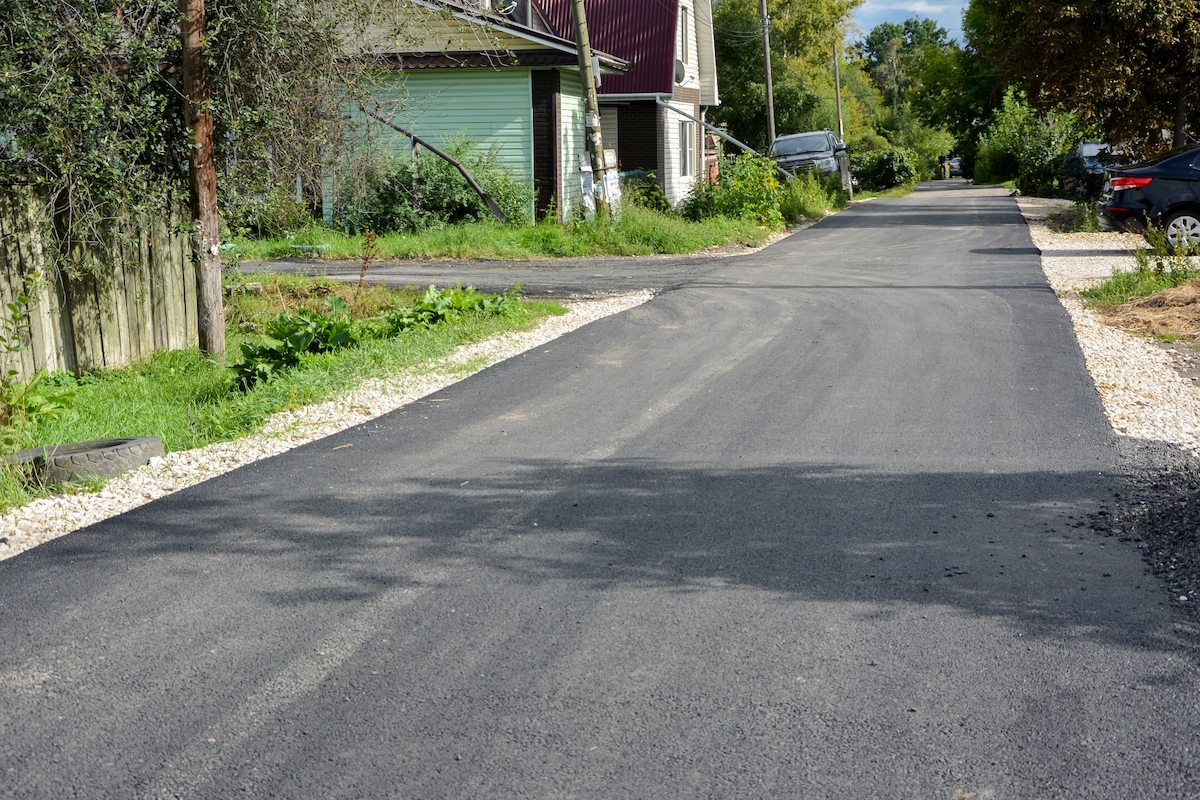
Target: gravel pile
1146,398
49,518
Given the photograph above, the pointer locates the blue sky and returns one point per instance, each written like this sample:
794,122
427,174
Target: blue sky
948,14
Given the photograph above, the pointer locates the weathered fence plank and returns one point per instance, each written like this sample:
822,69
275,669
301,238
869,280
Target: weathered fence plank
142,298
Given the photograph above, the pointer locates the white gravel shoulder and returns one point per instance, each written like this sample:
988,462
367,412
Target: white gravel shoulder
1144,397
48,518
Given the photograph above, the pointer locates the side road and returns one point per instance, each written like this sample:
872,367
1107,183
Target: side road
598,275
807,526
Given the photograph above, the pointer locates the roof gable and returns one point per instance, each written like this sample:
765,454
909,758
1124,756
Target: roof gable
459,32
641,32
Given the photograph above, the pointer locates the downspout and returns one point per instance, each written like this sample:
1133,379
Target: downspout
720,133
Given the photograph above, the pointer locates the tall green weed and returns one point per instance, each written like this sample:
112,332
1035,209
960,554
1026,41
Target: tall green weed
398,194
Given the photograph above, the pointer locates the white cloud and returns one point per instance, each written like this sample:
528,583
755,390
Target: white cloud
915,6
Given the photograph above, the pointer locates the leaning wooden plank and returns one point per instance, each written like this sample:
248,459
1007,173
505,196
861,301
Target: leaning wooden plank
122,354
65,328
180,253
85,316
10,257
110,334
44,323
159,246
141,298
18,274
190,302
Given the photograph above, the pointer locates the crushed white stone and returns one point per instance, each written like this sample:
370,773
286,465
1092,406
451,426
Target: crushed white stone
1144,397
48,518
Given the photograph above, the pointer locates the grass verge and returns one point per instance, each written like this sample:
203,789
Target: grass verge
188,400
896,191
1125,286
637,231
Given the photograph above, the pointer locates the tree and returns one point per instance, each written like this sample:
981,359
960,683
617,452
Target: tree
893,54
92,112
913,33
1128,67
957,89
802,40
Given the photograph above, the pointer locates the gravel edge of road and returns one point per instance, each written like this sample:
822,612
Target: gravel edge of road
45,519
1148,403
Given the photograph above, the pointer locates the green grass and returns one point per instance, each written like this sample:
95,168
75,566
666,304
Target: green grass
188,400
896,191
1125,286
637,231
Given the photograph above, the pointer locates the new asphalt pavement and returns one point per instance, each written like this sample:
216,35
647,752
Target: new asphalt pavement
806,525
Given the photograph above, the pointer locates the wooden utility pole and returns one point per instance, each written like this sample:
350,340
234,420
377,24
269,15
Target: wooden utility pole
202,179
766,37
837,90
591,111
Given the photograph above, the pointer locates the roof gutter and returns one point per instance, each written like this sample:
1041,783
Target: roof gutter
610,64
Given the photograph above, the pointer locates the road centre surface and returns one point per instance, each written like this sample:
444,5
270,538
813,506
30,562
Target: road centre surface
804,526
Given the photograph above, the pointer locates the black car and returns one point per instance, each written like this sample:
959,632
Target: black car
806,152
1163,191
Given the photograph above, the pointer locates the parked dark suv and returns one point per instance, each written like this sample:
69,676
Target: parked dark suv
807,152
1163,191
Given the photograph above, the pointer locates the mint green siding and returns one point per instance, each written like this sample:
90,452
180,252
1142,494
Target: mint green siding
572,138
491,107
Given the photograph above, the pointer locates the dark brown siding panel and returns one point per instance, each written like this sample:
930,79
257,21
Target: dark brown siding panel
545,138
638,135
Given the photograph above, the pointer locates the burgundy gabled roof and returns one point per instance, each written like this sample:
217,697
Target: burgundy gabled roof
640,31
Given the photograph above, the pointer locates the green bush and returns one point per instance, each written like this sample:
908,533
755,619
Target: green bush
884,169
747,189
291,335
642,190
274,214
396,196
1030,149
811,197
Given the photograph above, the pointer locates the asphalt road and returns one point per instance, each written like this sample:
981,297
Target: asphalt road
803,527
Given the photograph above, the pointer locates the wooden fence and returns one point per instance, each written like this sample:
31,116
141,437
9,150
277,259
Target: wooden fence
143,299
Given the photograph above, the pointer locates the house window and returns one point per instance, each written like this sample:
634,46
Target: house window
685,149
683,34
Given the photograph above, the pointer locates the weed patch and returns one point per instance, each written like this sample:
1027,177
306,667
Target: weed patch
189,401
636,231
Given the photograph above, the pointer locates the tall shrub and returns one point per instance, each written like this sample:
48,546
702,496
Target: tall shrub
748,188
396,195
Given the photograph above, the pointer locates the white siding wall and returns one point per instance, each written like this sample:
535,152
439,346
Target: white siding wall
692,81
677,187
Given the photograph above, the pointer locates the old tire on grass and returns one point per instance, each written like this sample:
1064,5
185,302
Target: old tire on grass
104,458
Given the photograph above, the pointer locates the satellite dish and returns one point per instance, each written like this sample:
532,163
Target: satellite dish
680,71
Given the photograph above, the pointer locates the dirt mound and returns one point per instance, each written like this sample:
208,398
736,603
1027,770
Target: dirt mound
1171,312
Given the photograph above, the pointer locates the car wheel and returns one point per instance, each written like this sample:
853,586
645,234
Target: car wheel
1183,229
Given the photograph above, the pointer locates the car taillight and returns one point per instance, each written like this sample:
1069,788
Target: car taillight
1128,182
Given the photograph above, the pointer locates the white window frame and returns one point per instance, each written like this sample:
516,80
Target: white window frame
687,145
684,50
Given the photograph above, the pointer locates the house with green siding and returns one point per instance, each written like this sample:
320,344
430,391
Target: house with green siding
500,77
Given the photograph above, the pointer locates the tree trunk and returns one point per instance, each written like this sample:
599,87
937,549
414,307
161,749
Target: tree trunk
202,179
1182,108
